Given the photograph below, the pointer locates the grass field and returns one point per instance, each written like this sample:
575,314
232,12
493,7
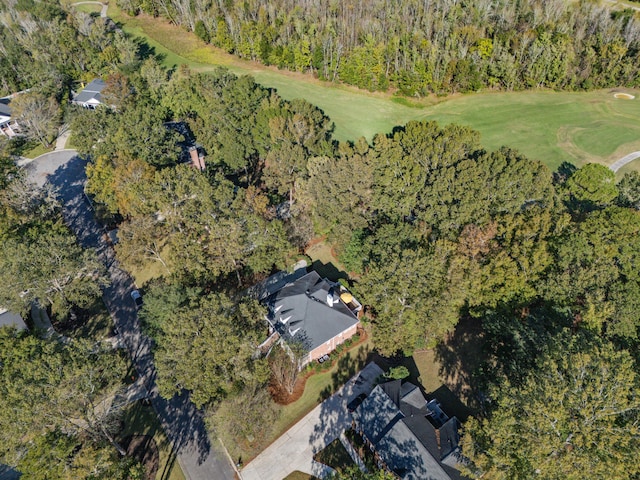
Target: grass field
548,126
89,8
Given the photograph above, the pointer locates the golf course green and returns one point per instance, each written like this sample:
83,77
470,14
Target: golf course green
553,127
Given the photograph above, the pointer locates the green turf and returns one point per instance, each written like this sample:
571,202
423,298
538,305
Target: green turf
89,8
548,126
335,456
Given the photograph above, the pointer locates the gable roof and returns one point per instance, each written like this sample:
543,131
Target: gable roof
395,419
5,109
91,93
10,319
299,310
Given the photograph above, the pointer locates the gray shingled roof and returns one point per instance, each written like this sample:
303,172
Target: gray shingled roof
394,418
5,109
299,311
10,319
91,91
407,457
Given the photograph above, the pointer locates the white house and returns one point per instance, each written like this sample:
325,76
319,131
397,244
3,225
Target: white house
91,95
8,127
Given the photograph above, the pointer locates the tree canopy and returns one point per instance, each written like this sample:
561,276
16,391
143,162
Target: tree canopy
576,412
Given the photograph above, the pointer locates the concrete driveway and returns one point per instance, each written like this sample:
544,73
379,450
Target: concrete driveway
294,450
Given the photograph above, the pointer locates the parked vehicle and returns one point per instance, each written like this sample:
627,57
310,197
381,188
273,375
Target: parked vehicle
137,298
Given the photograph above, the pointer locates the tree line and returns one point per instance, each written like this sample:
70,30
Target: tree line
420,48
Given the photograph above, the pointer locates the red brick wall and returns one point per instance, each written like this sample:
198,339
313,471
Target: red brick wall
331,345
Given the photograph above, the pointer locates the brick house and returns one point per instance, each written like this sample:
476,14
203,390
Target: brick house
312,311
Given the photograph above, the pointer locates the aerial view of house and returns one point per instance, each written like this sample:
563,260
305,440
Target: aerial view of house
8,126
308,310
319,240
91,95
411,437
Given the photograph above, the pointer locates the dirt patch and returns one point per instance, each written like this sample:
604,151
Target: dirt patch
624,96
144,449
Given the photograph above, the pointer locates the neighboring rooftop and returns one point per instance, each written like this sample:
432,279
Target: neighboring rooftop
91,95
10,319
397,420
5,109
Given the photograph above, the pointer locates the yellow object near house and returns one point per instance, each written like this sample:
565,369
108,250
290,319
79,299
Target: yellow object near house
346,297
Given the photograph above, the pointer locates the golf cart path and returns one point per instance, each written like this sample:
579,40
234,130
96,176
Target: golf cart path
103,12
618,164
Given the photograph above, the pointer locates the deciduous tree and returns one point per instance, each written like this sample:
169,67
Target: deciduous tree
577,412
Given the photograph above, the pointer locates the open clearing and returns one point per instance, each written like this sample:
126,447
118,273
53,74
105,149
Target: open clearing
548,126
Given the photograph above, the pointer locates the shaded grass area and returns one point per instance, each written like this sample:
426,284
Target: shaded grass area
142,420
335,456
20,146
297,475
448,371
149,271
325,262
93,322
365,454
548,126
88,8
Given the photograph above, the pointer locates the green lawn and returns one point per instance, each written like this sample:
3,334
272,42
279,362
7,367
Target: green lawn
548,126
141,420
89,8
297,475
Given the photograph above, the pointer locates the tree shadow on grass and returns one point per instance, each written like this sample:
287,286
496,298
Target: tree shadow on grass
347,366
461,357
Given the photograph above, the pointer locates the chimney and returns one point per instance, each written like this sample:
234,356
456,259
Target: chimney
197,160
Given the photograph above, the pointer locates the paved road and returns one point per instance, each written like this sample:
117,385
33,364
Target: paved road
618,164
199,458
294,450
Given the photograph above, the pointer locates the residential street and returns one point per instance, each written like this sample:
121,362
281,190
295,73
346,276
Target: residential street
200,457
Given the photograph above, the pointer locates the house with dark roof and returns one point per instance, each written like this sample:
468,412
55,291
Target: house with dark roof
10,319
8,126
309,310
91,95
410,437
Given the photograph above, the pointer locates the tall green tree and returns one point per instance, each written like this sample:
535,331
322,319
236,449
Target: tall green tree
577,412
207,347
47,386
47,265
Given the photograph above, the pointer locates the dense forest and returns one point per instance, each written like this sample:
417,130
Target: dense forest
416,47
51,48
433,229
